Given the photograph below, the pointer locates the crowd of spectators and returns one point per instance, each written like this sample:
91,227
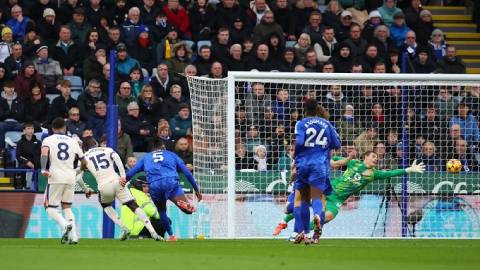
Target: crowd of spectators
44,44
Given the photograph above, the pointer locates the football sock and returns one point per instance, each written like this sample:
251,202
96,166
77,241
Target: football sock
317,206
53,213
297,212
165,222
112,214
305,216
67,212
288,217
145,220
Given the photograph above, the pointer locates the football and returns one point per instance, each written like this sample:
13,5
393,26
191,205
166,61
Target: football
454,166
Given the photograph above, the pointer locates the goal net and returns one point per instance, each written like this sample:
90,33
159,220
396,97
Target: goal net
243,132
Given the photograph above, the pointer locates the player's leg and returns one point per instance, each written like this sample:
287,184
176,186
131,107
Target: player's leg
52,201
176,195
106,196
124,196
319,187
333,203
67,199
288,215
162,210
302,213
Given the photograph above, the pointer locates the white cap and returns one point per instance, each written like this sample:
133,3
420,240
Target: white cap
374,14
346,13
48,12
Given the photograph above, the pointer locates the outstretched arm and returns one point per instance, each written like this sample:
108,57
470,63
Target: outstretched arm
137,168
414,168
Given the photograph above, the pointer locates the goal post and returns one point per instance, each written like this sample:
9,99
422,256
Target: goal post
243,135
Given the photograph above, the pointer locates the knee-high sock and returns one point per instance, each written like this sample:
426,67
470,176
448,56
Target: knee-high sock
67,212
112,214
165,222
297,212
288,217
317,206
305,216
145,220
55,215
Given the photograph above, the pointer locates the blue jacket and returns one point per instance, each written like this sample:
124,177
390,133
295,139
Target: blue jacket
180,126
469,128
398,33
18,28
124,67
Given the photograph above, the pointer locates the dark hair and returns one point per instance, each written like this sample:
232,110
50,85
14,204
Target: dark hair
58,123
323,112
88,143
9,84
158,144
310,107
27,124
368,153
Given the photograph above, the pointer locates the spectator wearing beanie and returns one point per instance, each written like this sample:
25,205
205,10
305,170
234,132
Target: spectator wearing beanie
27,78
342,58
48,27
125,63
6,43
374,20
48,68
438,44
144,49
398,29
387,10
79,27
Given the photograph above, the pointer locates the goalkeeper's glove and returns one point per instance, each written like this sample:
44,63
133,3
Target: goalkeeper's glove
416,168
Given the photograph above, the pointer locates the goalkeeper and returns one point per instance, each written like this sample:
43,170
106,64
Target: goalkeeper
357,175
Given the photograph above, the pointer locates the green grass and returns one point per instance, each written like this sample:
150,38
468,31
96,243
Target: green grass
240,254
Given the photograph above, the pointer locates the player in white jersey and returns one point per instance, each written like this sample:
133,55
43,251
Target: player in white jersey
101,162
62,152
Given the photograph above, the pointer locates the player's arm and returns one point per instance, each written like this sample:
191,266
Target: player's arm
85,188
414,168
121,169
334,138
299,137
337,162
189,176
136,169
44,160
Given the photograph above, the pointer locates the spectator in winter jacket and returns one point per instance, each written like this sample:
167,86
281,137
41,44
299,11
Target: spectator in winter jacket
184,151
451,63
204,60
18,23
137,126
14,63
132,26
63,103
97,122
6,43
175,101
387,11
468,124
266,28
79,26
93,65
27,78
144,49
28,152
48,27
177,15
162,81
11,111
257,101
49,69
75,126
125,63
124,97
87,100
67,53
181,125
399,29
35,108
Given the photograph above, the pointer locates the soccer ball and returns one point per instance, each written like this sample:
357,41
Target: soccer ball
454,166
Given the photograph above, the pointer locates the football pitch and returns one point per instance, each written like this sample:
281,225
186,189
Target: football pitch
240,254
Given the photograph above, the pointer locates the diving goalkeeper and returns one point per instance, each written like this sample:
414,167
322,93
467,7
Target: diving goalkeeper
357,175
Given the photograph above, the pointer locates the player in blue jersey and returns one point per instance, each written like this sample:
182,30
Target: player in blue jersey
315,137
161,167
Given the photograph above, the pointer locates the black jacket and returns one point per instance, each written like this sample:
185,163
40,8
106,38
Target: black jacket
36,111
28,150
60,107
